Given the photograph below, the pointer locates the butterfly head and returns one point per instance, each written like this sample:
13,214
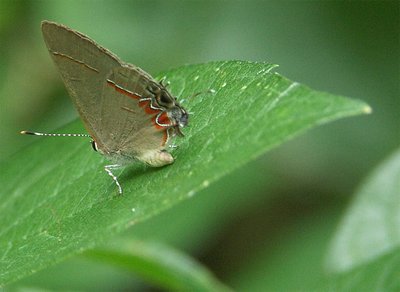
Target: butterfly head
178,116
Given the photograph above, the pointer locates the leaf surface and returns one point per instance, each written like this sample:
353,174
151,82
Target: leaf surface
160,264
56,199
371,226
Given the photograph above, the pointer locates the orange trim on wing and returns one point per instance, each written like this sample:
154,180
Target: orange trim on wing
162,122
164,119
144,103
165,137
157,126
122,90
151,111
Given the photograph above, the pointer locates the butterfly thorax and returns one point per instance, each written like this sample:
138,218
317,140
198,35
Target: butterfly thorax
177,115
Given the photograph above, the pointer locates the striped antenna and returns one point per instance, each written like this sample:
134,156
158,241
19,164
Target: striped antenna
53,135
208,91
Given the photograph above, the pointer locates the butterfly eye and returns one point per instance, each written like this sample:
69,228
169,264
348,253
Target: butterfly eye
183,121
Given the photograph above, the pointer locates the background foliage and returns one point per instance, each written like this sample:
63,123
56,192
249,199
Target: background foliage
270,222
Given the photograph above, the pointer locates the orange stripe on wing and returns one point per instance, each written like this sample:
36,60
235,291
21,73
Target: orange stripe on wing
150,111
123,90
164,119
146,105
165,137
162,122
157,126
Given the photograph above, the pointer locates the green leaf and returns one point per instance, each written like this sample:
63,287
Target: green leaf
56,199
371,226
160,264
382,274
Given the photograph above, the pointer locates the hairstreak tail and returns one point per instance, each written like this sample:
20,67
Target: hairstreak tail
128,114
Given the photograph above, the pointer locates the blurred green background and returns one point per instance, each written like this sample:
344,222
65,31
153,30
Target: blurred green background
269,223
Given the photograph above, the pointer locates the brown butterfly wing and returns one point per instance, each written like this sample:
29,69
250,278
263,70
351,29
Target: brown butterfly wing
84,66
106,93
134,132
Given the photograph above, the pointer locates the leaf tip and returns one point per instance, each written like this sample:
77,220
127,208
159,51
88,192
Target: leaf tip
367,109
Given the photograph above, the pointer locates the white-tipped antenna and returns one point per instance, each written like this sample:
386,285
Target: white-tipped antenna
212,91
53,134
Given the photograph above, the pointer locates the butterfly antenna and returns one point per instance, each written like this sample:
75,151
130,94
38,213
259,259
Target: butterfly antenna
212,91
53,134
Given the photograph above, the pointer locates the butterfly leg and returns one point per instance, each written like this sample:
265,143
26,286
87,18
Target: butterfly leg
108,169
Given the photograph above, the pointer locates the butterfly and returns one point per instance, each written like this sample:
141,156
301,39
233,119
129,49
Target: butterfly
128,114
